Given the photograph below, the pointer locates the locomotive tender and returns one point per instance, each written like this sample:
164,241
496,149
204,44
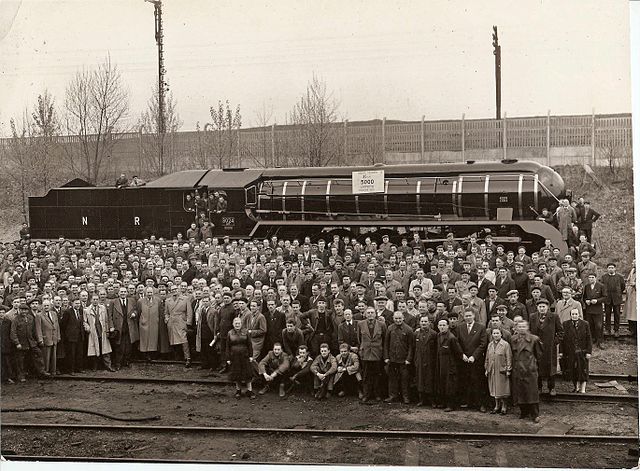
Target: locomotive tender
432,199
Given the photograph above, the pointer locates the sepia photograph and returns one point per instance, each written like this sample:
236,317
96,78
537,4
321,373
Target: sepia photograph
294,233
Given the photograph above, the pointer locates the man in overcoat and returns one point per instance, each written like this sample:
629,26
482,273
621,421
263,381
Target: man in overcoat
24,337
547,327
566,304
398,355
527,353
424,360
148,311
179,316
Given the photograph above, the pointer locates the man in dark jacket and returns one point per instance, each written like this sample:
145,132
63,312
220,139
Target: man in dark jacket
398,354
614,285
593,297
473,342
73,334
23,335
273,368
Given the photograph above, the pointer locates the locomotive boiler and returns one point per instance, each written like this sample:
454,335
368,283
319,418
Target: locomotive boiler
505,197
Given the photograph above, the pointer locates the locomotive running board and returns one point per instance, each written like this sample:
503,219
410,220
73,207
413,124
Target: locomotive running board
539,228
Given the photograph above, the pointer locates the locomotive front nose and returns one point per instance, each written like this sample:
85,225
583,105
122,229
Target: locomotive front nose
552,181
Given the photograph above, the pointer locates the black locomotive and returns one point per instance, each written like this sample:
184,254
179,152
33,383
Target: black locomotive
463,198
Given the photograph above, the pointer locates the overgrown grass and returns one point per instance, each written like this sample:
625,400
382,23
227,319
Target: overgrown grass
614,233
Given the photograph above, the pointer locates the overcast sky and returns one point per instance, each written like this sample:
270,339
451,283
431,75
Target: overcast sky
399,59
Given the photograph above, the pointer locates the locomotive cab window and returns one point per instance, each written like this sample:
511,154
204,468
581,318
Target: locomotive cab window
250,195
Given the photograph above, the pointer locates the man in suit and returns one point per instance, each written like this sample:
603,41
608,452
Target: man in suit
504,283
348,332
372,333
48,336
73,334
590,216
492,301
473,342
593,297
122,313
565,305
614,286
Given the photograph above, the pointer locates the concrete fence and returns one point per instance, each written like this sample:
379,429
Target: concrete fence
551,140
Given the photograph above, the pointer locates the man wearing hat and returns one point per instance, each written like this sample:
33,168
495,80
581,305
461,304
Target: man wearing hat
586,266
515,307
548,328
382,311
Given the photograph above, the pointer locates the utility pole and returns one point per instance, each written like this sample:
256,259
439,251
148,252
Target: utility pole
496,53
162,86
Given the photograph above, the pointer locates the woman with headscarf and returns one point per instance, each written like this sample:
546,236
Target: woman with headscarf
239,356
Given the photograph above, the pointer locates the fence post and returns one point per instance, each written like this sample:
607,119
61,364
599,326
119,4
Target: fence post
462,136
384,139
344,127
593,137
273,145
504,137
549,138
422,139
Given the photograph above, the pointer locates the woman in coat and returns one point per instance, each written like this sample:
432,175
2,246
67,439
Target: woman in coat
239,355
576,350
497,366
449,354
630,304
425,361
527,353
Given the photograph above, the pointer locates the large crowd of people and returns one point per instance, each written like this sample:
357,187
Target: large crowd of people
466,324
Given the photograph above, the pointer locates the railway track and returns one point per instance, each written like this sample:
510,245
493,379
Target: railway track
560,397
342,433
287,446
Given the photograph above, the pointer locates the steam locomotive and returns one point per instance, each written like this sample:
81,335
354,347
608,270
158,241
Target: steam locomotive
503,197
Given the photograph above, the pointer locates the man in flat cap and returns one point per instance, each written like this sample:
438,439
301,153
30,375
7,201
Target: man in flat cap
548,328
515,307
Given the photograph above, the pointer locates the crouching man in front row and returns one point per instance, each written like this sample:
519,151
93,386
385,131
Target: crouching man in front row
348,379
300,370
324,368
274,368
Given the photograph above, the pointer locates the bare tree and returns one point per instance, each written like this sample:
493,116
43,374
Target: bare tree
45,128
316,137
97,106
259,144
222,135
158,153
20,164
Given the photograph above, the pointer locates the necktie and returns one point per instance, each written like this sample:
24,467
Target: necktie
77,316
469,328
50,318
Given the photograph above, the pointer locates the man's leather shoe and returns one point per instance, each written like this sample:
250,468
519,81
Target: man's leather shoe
391,399
111,368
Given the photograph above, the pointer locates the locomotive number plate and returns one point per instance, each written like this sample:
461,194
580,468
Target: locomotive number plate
228,222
